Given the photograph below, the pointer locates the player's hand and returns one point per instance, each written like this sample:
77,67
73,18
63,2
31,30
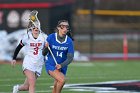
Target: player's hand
13,63
47,44
58,66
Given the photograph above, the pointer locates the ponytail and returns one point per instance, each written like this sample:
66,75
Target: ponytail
70,35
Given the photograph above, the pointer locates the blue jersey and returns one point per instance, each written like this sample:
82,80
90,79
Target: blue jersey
59,49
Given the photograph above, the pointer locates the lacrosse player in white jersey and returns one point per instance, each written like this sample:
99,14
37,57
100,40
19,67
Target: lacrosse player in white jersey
33,61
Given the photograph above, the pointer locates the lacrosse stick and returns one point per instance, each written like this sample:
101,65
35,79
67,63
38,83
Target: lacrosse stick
36,23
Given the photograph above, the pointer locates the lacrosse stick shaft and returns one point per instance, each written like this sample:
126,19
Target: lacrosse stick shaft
33,23
52,55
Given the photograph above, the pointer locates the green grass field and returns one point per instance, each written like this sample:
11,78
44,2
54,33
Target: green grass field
78,72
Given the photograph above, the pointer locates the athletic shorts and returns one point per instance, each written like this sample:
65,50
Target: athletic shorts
52,68
32,65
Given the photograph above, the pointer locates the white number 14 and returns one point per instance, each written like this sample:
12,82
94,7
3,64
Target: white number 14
59,54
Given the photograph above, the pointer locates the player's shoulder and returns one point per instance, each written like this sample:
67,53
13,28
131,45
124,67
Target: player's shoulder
69,39
44,34
51,35
25,36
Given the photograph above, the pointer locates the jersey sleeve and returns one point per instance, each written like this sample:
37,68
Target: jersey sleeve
17,50
71,47
45,36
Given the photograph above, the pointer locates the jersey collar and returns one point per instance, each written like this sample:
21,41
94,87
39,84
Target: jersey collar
59,41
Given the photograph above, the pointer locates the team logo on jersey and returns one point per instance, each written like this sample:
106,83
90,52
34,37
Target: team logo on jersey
131,86
59,47
35,44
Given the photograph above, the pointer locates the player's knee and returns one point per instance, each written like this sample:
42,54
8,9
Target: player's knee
62,81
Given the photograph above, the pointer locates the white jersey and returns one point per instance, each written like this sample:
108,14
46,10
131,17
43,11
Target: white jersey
34,47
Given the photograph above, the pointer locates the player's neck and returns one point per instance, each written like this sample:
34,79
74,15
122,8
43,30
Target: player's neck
35,35
61,35
61,38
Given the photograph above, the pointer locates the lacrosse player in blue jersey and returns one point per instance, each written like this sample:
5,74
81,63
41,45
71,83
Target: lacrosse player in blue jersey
60,55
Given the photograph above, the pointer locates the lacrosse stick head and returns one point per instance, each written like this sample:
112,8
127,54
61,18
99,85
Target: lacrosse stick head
33,15
33,19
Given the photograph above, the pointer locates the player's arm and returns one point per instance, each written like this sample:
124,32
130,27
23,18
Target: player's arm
68,60
18,48
45,50
70,56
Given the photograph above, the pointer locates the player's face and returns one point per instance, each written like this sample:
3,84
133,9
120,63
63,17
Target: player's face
35,30
63,28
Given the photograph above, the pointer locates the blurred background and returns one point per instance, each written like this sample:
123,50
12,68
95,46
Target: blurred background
102,29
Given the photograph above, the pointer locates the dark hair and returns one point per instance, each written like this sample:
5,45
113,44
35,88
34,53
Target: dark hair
69,31
60,21
70,35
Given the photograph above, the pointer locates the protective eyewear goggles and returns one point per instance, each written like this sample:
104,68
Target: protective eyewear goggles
64,26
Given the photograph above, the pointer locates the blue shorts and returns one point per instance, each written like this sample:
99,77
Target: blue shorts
52,68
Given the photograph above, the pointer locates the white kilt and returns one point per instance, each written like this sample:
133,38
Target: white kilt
33,65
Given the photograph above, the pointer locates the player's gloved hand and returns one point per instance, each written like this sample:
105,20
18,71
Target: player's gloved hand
13,63
45,50
58,66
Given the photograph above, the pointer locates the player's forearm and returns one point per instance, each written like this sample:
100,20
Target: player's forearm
45,51
17,51
68,60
